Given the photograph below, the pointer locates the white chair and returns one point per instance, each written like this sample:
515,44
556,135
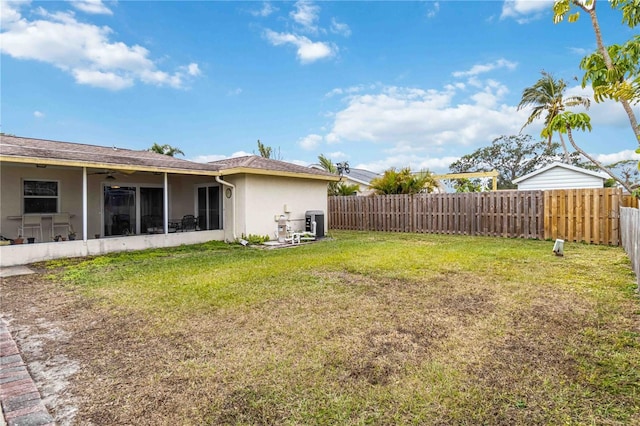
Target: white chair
31,222
60,220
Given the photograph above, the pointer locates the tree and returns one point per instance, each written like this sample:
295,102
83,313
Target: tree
567,121
621,75
547,97
268,152
347,189
165,149
265,151
404,182
627,171
336,188
467,185
512,156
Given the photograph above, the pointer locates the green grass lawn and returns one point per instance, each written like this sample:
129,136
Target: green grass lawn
362,328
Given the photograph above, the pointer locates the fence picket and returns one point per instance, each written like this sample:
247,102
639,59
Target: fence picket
589,215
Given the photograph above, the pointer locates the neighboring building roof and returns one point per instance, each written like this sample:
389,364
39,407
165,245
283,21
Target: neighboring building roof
259,165
564,166
20,149
362,176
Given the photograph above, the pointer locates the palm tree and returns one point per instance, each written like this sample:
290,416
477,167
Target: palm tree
547,98
328,166
165,149
404,182
564,123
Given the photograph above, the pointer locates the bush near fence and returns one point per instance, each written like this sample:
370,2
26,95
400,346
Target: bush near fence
579,215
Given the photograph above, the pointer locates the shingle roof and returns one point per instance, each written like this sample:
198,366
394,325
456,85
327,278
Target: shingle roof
93,155
256,162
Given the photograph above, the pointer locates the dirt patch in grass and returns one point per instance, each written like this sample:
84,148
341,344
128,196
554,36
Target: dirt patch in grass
448,347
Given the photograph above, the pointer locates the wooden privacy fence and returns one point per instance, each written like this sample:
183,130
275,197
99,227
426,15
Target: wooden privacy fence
630,236
502,213
588,215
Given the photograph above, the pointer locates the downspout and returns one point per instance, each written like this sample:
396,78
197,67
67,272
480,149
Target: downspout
233,216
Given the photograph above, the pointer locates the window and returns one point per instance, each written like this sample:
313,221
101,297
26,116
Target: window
40,196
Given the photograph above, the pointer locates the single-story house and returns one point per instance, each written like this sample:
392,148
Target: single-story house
561,176
118,199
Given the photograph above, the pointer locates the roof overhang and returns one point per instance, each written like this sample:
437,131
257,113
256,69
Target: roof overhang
101,165
251,171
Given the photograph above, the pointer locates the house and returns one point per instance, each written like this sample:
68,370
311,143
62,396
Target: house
360,177
120,199
561,176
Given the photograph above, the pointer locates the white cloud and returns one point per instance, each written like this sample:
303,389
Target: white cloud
438,165
524,11
266,10
484,68
411,121
308,51
627,154
216,157
38,114
607,113
306,15
340,28
84,50
193,69
208,158
235,92
95,7
310,142
433,11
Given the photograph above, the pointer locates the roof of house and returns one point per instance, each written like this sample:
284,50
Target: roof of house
600,175
362,175
41,151
20,149
260,165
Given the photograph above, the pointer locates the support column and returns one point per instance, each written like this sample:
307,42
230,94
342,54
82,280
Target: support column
85,203
165,203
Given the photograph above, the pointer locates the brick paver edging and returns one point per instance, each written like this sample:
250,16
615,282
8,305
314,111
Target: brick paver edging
21,401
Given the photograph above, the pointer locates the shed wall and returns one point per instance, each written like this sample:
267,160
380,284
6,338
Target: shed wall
560,178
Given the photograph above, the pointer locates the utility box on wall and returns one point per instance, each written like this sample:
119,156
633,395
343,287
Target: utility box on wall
316,216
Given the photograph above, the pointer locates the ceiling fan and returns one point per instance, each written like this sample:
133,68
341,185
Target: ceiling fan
111,173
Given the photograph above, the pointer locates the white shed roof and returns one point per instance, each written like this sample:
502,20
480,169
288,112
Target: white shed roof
601,175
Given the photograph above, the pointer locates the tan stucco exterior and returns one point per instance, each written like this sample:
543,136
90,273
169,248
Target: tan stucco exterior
261,199
135,200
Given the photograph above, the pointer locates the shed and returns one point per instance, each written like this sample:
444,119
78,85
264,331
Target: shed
560,176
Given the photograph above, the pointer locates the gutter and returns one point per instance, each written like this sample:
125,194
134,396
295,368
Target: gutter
233,188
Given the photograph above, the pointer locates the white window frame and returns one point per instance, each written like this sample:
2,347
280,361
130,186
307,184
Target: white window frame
24,197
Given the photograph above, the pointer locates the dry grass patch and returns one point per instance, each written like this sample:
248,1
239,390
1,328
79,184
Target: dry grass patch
368,328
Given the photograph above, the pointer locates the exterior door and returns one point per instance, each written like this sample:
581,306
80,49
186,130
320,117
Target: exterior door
119,210
208,206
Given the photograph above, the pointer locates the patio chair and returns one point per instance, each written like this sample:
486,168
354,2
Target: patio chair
31,222
188,223
60,220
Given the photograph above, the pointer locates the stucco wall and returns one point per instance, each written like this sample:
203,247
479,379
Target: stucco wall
181,195
560,178
11,177
260,199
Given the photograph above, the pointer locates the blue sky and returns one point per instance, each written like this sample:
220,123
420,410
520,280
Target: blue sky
378,84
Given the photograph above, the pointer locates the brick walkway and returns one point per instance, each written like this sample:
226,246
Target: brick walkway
21,401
